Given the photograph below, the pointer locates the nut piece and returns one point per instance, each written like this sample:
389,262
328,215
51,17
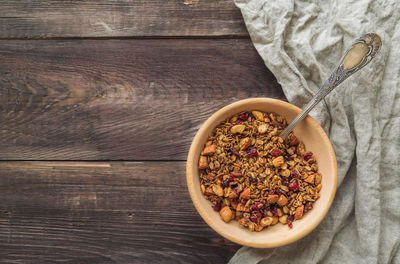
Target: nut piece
294,141
299,213
242,208
252,226
282,201
266,221
310,179
231,194
209,150
258,115
203,163
244,222
272,198
226,214
262,129
283,219
258,228
318,178
279,212
278,161
244,143
285,173
237,129
301,149
209,143
285,209
275,220
208,191
245,194
218,190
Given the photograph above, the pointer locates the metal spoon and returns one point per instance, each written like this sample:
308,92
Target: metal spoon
361,52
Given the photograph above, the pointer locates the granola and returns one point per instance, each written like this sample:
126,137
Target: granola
252,175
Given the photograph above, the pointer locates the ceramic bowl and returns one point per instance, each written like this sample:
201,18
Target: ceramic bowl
315,140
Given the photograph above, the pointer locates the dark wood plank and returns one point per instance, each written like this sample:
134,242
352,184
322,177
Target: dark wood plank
120,18
119,99
101,212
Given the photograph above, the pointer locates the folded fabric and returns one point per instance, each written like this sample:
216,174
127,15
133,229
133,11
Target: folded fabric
301,42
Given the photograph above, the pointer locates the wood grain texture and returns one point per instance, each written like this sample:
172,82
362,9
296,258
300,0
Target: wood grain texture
102,212
119,99
120,18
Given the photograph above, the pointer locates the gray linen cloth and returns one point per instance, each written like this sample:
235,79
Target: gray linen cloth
301,42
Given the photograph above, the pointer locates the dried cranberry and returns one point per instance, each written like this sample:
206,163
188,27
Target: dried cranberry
253,219
290,221
226,182
252,152
251,179
282,192
294,186
256,214
307,156
294,174
274,211
235,152
264,213
285,181
244,116
276,153
307,207
273,191
255,206
234,200
217,206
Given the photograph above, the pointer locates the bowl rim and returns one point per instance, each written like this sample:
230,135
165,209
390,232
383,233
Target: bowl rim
190,163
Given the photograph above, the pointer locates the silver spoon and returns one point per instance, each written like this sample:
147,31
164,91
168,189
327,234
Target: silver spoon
361,52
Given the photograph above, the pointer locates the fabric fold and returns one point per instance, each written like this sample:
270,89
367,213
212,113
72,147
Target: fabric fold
301,42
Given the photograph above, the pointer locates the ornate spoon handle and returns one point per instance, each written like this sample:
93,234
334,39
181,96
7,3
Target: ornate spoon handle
361,52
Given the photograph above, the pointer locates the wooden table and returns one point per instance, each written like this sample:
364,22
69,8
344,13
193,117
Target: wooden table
99,103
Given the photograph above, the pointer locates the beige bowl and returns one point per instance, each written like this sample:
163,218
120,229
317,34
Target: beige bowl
314,139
